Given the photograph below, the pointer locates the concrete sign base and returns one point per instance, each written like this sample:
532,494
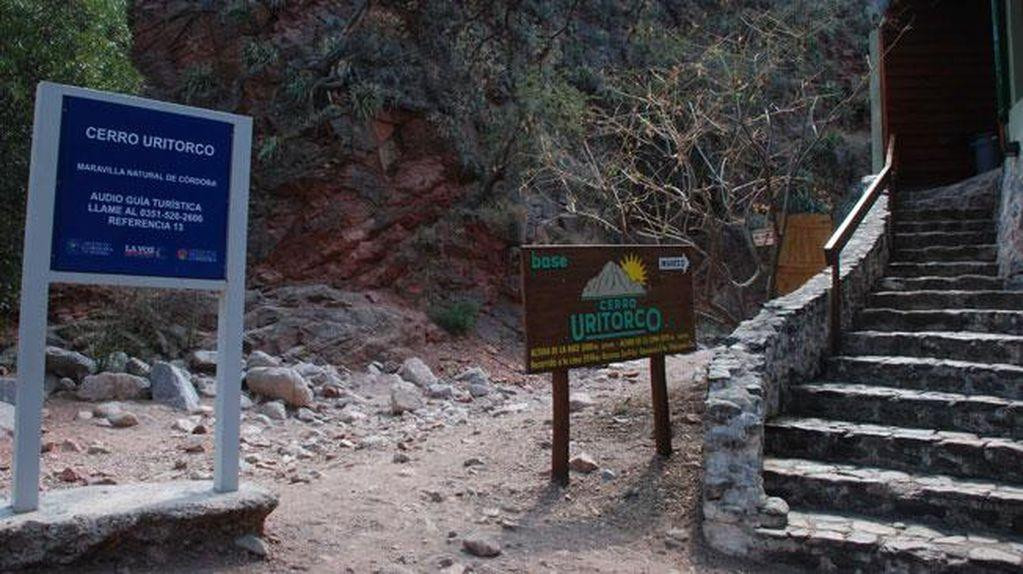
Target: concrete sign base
72,523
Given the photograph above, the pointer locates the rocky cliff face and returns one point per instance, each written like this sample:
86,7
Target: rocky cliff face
393,138
353,192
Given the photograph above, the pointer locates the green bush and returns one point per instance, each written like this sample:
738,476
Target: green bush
456,318
85,43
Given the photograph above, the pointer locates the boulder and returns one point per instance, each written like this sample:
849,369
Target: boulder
274,410
9,358
206,386
477,390
70,445
440,391
579,402
474,375
583,463
774,513
326,375
253,544
280,383
173,387
51,383
415,371
8,389
477,380
351,414
481,545
203,362
64,363
330,391
116,362
113,386
184,425
261,359
308,370
108,409
70,475
98,448
676,537
63,385
123,419
6,419
137,367
405,397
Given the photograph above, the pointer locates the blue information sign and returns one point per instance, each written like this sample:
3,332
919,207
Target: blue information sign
140,191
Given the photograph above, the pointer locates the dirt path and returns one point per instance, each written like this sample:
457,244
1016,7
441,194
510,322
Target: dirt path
407,509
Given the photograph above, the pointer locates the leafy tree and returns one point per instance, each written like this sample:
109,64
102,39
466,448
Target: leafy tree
84,43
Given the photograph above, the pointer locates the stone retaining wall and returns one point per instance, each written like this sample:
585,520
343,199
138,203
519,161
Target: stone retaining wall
748,377
1010,225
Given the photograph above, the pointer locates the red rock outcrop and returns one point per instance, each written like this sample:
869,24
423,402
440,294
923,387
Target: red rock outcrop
377,211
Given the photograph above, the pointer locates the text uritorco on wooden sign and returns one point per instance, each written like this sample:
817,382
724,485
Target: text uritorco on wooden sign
598,304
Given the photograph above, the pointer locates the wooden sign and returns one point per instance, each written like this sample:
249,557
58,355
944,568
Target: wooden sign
597,304
593,305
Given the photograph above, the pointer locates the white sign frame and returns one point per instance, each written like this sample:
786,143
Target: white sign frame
36,277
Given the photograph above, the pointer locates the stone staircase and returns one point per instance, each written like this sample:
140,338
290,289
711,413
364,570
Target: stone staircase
907,453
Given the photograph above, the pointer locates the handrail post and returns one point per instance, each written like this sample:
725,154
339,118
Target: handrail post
835,301
845,231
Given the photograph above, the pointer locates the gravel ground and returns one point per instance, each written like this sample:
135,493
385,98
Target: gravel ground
405,502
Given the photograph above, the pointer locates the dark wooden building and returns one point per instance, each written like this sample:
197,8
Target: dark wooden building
938,86
945,83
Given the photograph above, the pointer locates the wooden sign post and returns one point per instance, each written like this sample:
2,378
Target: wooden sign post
659,398
560,428
593,305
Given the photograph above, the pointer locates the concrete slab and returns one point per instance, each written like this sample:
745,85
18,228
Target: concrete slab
77,523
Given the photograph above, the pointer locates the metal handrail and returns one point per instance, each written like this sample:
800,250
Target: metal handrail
845,231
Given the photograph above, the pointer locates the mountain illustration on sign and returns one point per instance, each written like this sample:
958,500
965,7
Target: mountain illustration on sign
612,281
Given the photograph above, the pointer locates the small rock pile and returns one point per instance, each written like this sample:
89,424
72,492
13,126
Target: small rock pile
380,406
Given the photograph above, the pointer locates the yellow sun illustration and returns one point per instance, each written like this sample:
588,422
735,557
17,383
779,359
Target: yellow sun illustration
633,267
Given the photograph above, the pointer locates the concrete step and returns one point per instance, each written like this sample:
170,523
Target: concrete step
983,415
919,215
937,500
929,374
918,203
986,252
944,225
942,269
949,197
974,320
964,455
964,346
935,299
948,238
937,283
834,542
